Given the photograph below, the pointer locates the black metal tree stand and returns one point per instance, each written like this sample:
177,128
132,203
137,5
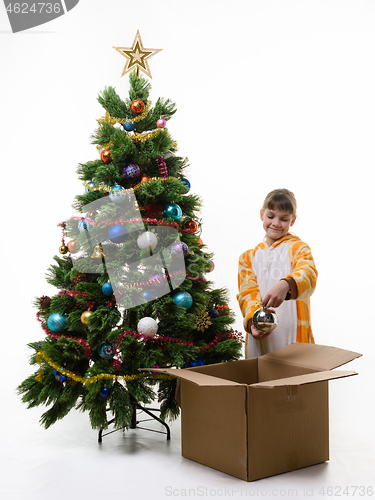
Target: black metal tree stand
134,423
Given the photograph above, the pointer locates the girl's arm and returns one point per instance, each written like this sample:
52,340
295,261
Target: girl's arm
249,294
300,283
304,274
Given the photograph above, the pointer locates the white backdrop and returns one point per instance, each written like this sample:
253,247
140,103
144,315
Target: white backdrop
269,94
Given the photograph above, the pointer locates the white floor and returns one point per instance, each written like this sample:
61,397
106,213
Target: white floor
66,461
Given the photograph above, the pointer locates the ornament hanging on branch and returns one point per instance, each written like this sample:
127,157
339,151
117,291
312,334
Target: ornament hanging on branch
105,156
131,171
107,289
173,211
161,123
147,326
162,167
72,246
85,317
107,350
98,252
183,299
191,225
203,321
129,126
57,322
137,106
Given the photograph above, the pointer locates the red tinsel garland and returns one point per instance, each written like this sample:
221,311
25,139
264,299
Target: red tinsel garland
147,220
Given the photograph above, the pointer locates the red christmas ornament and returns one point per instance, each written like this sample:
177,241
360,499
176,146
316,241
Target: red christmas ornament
72,246
137,106
105,156
191,225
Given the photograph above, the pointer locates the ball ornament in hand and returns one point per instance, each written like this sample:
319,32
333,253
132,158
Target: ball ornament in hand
265,320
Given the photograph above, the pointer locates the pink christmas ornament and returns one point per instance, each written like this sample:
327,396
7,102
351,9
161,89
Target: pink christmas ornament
161,123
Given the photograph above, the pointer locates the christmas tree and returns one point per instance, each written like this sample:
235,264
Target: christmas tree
132,292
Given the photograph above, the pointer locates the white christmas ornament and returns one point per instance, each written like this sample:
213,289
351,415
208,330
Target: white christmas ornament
147,240
147,326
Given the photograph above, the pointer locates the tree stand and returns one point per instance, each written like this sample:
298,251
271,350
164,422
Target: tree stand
134,422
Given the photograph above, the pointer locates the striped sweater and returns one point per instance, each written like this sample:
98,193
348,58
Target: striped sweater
259,269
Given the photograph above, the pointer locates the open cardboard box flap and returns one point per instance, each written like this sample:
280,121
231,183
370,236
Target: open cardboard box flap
315,356
208,381
308,378
319,358
196,378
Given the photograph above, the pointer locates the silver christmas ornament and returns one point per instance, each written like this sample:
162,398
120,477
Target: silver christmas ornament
265,320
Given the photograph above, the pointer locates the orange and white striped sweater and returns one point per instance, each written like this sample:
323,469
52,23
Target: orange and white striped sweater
259,269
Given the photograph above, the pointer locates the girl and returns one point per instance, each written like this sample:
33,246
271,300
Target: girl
279,273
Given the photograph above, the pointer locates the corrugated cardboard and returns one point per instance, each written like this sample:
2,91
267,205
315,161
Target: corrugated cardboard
263,416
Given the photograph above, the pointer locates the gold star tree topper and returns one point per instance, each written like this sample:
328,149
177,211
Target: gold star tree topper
137,56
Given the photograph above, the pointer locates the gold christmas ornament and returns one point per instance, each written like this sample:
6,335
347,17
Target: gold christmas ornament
85,317
63,249
203,321
137,56
98,252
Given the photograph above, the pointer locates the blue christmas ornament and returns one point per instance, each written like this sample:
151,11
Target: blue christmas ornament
117,234
105,392
107,289
128,126
89,187
148,296
83,225
59,376
106,350
214,313
186,183
117,194
183,299
57,322
178,247
131,171
173,211
198,362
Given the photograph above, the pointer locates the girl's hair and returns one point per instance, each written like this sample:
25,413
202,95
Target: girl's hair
281,199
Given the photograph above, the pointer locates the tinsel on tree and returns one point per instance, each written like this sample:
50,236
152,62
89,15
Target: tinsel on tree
131,278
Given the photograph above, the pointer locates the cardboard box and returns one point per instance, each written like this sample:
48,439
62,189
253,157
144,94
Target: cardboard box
263,416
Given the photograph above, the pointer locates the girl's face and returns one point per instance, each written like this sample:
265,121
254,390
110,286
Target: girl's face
276,224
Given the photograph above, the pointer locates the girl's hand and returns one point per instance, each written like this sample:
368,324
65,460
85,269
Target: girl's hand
276,294
257,334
